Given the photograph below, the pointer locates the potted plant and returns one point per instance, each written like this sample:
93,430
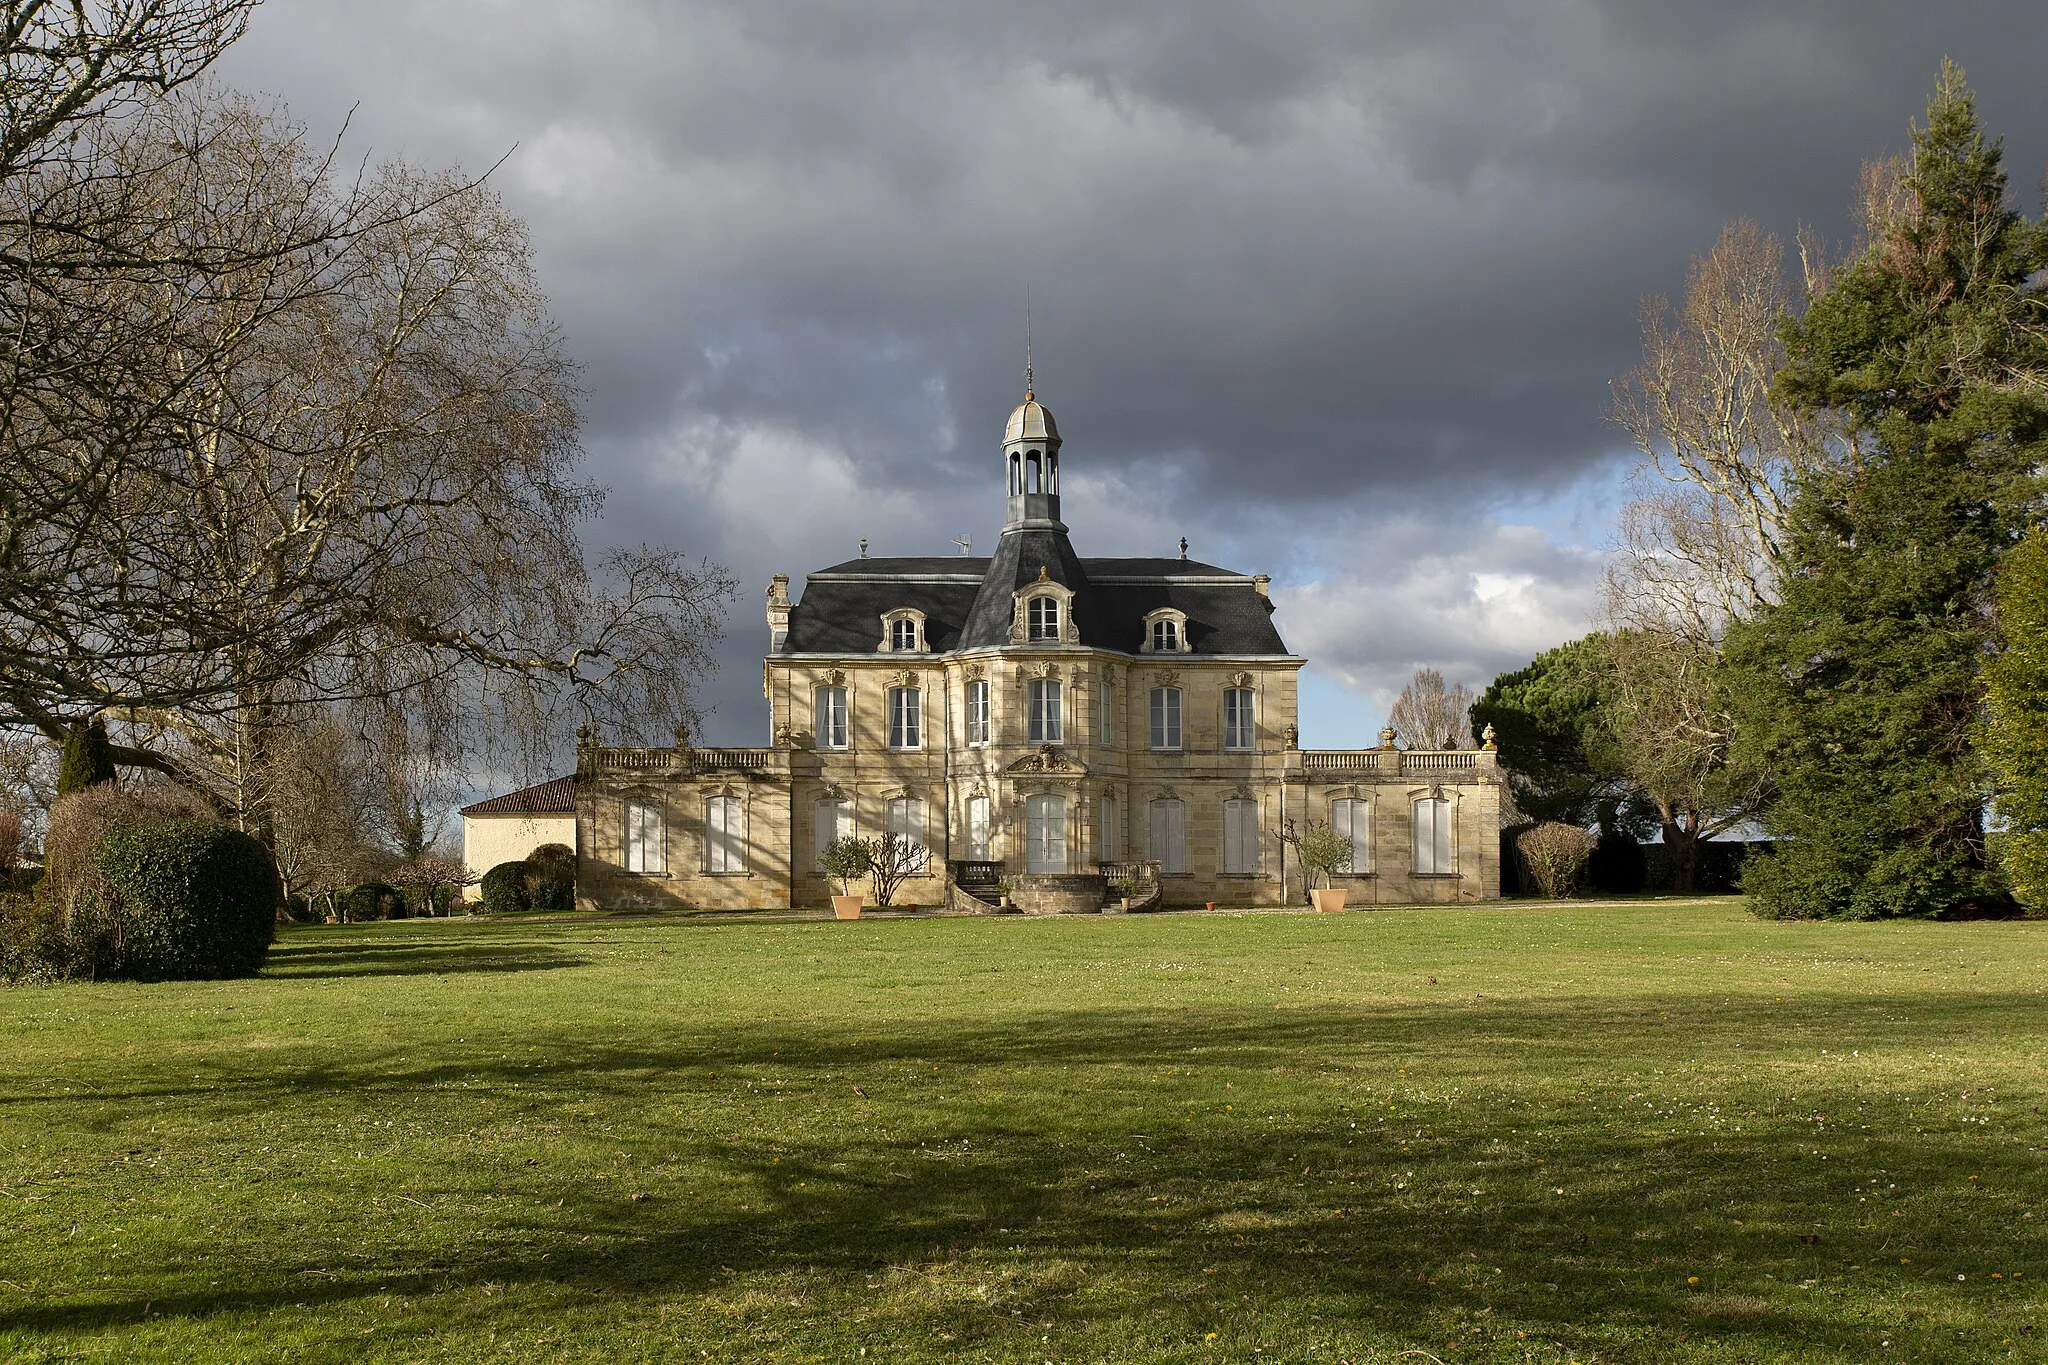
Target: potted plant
1123,888
844,859
1323,851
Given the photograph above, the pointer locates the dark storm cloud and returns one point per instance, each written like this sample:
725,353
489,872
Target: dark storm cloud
1377,260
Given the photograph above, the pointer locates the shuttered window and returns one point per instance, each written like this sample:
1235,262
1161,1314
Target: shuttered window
1170,836
724,835
1352,820
643,837
1240,836
1433,837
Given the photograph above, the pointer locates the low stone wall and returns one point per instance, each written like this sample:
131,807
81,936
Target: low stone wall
1059,893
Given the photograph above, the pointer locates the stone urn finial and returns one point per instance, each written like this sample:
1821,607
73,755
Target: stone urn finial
585,736
1486,737
1386,736
682,734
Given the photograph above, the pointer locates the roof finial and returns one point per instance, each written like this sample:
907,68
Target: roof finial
864,548
1027,341
1183,547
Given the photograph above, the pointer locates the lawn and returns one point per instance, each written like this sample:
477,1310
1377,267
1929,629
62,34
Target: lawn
1655,1132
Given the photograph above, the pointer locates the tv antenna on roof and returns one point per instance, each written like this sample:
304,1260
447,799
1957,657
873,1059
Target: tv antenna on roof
966,544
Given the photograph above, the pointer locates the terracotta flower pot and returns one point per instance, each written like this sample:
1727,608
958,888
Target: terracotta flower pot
846,907
1329,898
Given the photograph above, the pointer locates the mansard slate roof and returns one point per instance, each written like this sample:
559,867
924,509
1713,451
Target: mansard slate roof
966,600
556,796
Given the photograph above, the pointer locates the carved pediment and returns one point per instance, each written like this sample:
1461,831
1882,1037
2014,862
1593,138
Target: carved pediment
1050,759
833,678
1240,680
975,673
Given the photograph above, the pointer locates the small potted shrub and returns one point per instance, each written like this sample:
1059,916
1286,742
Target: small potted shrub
1323,852
1123,888
844,859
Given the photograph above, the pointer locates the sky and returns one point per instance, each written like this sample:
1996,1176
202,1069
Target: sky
1334,290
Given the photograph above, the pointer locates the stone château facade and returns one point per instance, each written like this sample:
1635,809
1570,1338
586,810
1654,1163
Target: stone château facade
1032,716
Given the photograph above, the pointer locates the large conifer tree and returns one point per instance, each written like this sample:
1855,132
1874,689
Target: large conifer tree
1861,689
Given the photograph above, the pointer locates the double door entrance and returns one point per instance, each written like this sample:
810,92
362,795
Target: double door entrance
1045,833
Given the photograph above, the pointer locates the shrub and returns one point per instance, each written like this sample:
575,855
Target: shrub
848,857
1618,866
1323,852
504,888
551,880
186,901
1555,856
87,759
81,822
10,846
370,901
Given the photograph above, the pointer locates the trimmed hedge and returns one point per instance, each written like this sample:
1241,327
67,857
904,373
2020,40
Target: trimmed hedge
504,888
188,901
370,901
1617,866
551,878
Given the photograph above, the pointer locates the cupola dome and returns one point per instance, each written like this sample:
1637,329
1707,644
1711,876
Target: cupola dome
1032,421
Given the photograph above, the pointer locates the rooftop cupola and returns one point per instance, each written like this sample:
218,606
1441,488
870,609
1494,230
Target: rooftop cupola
1031,453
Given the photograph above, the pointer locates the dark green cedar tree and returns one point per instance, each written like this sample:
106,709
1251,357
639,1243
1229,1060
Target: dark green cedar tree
1861,689
87,758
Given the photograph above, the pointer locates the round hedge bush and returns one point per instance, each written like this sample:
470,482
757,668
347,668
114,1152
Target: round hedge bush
188,901
371,901
551,877
504,888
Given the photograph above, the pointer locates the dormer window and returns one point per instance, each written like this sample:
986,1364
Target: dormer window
1166,632
1044,619
903,631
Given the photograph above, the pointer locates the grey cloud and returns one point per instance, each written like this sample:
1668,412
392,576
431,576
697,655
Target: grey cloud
1288,260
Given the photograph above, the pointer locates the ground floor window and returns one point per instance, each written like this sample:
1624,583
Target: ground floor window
1433,837
1240,836
1170,836
1352,819
906,822
724,836
977,829
830,819
1112,844
643,837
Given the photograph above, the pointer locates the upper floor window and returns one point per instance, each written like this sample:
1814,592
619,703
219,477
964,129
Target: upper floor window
1433,837
977,828
1166,717
829,717
977,712
1046,726
1165,636
724,847
903,635
1237,718
1105,720
1042,619
905,722
644,851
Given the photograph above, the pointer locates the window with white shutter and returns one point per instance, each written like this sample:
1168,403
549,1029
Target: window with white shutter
1240,836
643,837
1170,836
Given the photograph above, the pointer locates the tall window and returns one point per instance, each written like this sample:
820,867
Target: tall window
1045,711
1433,837
1105,720
1166,717
903,634
1045,833
977,829
1352,820
829,715
1170,836
1237,718
1240,835
1165,637
643,837
977,712
905,729
1043,618
724,835
1112,841
830,819
906,822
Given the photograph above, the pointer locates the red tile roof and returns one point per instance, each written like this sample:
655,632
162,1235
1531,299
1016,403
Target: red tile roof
556,796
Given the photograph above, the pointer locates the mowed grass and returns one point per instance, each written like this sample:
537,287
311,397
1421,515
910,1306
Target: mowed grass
1654,1132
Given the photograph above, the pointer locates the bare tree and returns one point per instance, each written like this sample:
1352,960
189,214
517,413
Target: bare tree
893,861
1702,539
343,468
1430,715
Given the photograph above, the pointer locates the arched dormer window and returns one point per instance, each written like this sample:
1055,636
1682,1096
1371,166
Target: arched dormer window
1044,614
1166,632
903,631
1042,618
